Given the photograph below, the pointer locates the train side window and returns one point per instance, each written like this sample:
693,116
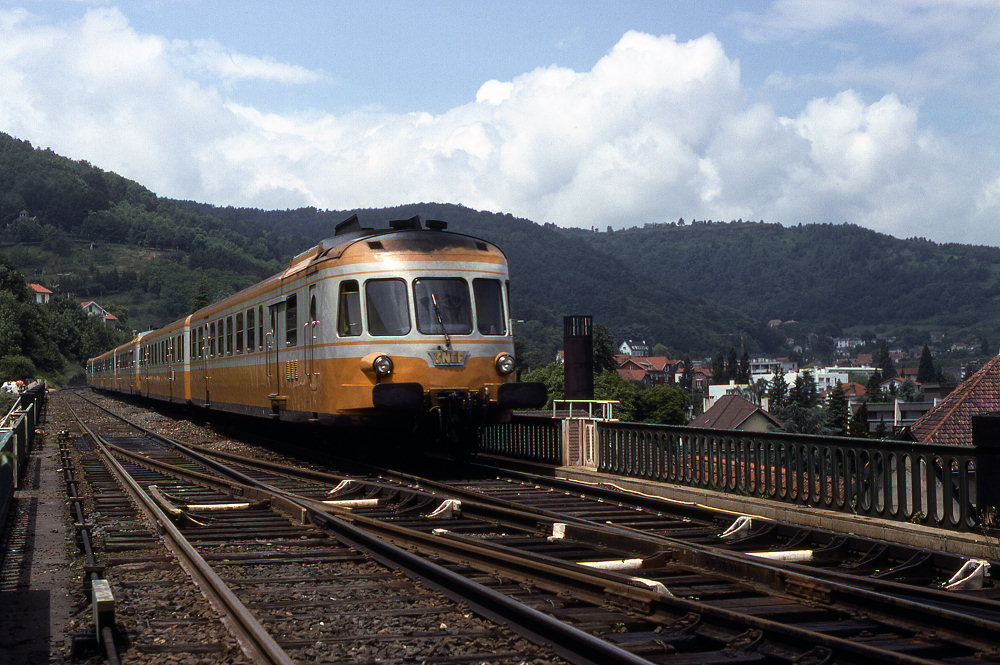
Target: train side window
211,340
387,307
250,330
260,326
442,306
239,333
291,320
229,335
349,309
489,306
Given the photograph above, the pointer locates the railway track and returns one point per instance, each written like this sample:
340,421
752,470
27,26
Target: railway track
614,586
288,591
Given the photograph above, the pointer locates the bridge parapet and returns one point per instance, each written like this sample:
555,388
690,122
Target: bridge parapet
930,484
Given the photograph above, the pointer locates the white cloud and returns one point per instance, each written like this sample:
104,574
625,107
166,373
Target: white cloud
656,130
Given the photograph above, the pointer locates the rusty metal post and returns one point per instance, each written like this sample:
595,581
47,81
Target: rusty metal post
578,347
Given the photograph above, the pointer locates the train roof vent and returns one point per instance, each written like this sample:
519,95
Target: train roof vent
347,226
436,225
411,224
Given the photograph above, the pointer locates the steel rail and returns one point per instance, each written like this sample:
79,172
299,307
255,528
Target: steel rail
794,578
559,576
514,563
255,641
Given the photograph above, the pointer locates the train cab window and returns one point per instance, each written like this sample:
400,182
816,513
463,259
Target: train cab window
489,306
349,309
250,331
386,306
239,333
442,305
291,320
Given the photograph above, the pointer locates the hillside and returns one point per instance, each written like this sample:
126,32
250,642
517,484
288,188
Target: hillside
694,288
832,277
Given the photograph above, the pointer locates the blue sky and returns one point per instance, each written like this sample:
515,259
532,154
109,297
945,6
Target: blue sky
583,114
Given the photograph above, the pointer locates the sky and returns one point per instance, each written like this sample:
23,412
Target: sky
881,113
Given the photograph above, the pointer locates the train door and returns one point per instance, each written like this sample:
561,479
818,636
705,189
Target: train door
143,375
205,349
271,346
171,350
312,339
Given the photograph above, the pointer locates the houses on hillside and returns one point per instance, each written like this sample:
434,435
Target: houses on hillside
43,296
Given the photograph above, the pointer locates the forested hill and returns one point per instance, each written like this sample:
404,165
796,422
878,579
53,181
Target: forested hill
693,288
834,277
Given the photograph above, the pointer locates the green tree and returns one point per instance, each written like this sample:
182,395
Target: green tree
663,405
687,378
732,364
611,386
202,295
884,362
743,369
859,422
719,369
803,392
553,376
926,372
777,394
13,368
909,392
604,350
837,413
873,389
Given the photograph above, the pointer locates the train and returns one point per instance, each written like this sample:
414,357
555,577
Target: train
403,327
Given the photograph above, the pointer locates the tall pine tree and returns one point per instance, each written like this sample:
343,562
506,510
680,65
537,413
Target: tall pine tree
926,372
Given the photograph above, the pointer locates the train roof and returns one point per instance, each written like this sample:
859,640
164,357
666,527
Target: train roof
403,235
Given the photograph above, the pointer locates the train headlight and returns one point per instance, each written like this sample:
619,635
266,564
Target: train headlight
382,366
505,363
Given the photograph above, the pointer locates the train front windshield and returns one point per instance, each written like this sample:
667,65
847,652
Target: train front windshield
443,305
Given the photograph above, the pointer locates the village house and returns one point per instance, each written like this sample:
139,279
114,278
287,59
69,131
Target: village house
42,294
632,347
732,412
93,309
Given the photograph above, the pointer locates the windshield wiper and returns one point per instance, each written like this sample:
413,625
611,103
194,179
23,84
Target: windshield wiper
437,314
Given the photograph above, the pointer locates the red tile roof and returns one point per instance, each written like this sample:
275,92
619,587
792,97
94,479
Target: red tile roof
951,420
38,288
632,373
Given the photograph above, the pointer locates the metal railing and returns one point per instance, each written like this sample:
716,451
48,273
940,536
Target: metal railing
928,484
17,432
527,438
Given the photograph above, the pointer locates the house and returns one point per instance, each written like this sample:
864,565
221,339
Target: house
733,412
701,377
93,309
894,416
951,420
649,371
769,365
634,348
42,294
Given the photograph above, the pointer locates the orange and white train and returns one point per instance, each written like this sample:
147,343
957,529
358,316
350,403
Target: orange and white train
402,326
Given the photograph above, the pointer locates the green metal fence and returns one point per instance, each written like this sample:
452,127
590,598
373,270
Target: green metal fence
17,433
